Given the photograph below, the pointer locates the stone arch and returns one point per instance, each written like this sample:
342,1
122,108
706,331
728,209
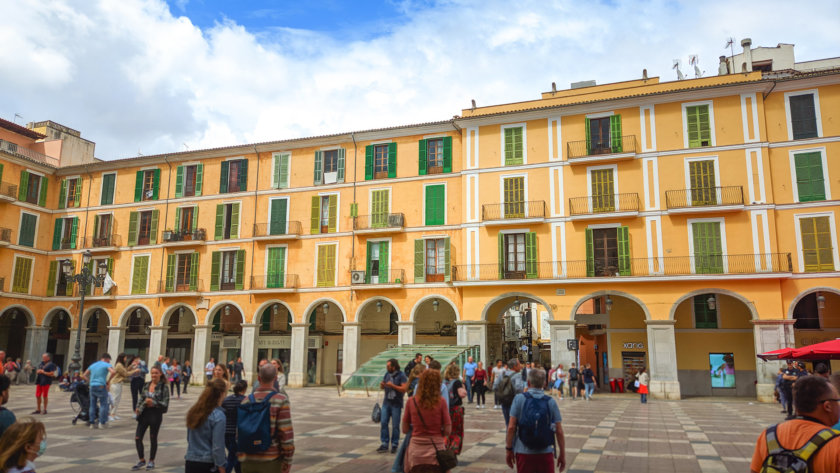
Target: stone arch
208,318
806,292
423,299
611,293
255,319
54,310
374,299
164,321
90,312
725,292
123,320
321,301
515,294
30,317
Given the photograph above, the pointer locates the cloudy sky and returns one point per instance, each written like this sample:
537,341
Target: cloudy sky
151,76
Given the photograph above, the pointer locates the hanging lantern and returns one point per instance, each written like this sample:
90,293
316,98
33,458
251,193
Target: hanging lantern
608,302
435,305
275,309
325,308
379,306
712,302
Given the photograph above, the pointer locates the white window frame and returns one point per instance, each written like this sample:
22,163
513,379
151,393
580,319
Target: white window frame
337,212
390,250
723,247
102,187
502,178
370,198
268,212
67,179
794,185
834,250
20,226
685,105
40,182
445,193
275,185
687,170
335,266
239,222
31,274
285,259
817,114
502,129
148,271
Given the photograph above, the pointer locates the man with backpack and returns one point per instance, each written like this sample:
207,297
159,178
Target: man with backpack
805,443
574,373
533,429
265,438
511,384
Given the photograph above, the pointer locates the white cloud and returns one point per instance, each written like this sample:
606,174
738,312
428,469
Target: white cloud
131,76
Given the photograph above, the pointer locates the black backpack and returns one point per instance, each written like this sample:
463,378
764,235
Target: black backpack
506,390
573,374
781,460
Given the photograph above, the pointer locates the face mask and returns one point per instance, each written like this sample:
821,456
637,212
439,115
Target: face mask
42,448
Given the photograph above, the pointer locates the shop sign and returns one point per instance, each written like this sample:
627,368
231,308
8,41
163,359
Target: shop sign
275,342
637,346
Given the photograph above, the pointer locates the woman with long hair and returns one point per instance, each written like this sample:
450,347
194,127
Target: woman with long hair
206,430
414,378
480,385
427,417
21,444
220,371
152,404
456,408
116,381
280,383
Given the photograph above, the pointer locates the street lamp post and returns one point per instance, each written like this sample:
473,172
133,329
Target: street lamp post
85,279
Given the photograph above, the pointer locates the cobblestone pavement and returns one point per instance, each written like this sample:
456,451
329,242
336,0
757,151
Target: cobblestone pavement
612,433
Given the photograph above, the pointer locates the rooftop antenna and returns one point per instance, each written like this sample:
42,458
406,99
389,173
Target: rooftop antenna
730,43
473,104
692,60
17,115
676,66
185,146
139,153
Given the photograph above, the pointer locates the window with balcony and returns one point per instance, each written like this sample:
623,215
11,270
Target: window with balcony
147,185
325,275
182,272
698,126
57,283
602,187
514,146
140,274
608,252
227,272
810,181
70,194
803,116
188,180
28,223
514,196
108,186
234,176
603,135
817,249
329,166
227,221
33,188
102,230
380,161
377,262
276,267
431,260
517,255
22,275
142,228
707,247
64,233
701,178
324,213
380,204
186,221
705,312
435,155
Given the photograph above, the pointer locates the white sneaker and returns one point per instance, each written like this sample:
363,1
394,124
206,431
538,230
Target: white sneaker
115,418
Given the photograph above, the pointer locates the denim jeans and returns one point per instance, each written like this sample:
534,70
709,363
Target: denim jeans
468,385
232,460
100,394
399,461
644,398
590,388
506,413
391,413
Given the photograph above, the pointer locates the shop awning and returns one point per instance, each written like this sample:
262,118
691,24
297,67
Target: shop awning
780,354
829,350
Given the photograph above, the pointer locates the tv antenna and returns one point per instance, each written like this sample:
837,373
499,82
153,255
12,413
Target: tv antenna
676,66
17,115
692,60
730,43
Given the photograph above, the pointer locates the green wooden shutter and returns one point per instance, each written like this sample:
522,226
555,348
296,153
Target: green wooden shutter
110,266
73,232
708,250
220,222
170,273
810,182
276,175
138,279
588,132
817,251
419,261
57,233
369,247
62,194
240,270
133,223
340,177
392,160
501,244
243,175
215,266
284,171
199,178
179,182
379,208
319,168
42,199
531,266
155,184
108,184
698,124
701,178
51,278
435,196
68,288
234,220
195,218
138,186
276,264
333,214
384,274
223,177
24,185
277,226
315,216
1,171
368,162
447,154
194,271
422,159
447,261
590,254
513,146
22,273
615,134
623,237
177,225
27,230
153,227
77,199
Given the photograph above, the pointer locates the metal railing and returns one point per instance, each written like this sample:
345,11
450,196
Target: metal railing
595,204
628,267
586,148
704,197
379,221
96,291
14,148
8,189
279,281
170,236
102,241
66,244
513,210
292,227
173,285
393,276
6,234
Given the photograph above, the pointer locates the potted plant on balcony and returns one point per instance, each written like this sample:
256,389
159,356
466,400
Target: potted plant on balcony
167,235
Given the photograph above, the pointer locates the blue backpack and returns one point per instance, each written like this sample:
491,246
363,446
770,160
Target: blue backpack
534,424
253,425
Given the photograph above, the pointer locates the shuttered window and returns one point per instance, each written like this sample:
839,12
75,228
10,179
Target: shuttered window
514,149
70,193
147,185
22,275
379,205
32,188
435,204
324,214
108,185
278,212
514,197
704,316
28,223
810,182
227,221
376,270
708,247
276,267
603,190
435,155
139,277
65,233
282,161
803,116
325,276
817,250
188,180
698,126
701,178
234,176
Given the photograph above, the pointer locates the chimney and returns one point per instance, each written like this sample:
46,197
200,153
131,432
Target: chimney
746,43
722,68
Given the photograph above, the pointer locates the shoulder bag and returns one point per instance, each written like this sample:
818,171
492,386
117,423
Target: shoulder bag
446,458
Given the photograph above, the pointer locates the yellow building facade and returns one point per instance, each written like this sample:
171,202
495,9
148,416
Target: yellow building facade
682,226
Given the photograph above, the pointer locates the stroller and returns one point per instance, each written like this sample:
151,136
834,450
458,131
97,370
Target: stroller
80,401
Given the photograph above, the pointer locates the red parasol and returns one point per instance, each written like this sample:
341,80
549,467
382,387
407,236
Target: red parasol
773,355
829,350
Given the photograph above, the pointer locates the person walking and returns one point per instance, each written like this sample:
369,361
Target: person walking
116,382
206,431
574,379
427,418
469,373
11,369
137,379
534,427
496,375
209,367
97,378
455,440
43,380
28,369
152,405
238,368
512,383
789,375
22,443
395,385
174,378
558,379
7,417
644,380
480,385
418,360
589,381
231,407
278,456
186,375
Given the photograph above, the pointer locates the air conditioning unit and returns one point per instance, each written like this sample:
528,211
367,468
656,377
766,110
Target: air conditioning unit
357,277
395,220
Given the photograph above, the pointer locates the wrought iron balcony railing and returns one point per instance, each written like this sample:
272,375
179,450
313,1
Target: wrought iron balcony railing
704,197
386,277
278,229
102,241
588,148
513,210
172,236
275,281
8,190
381,221
608,203
14,148
6,235
627,267
177,284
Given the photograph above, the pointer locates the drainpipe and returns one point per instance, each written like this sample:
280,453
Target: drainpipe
353,228
165,223
254,227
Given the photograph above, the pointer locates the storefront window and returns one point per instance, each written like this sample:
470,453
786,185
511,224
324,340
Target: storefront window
722,367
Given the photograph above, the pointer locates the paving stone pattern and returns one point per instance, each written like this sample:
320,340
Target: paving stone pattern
612,433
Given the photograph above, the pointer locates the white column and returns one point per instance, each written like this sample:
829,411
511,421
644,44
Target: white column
201,353
473,332
297,362
560,332
250,339
116,340
156,341
662,350
352,346
770,335
37,337
405,333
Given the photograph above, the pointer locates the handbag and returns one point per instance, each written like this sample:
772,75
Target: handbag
446,458
636,384
376,414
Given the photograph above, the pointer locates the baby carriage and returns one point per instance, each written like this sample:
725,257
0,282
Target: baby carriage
80,401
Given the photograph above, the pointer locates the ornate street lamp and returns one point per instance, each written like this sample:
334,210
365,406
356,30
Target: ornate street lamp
609,303
435,305
85,279
711,302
